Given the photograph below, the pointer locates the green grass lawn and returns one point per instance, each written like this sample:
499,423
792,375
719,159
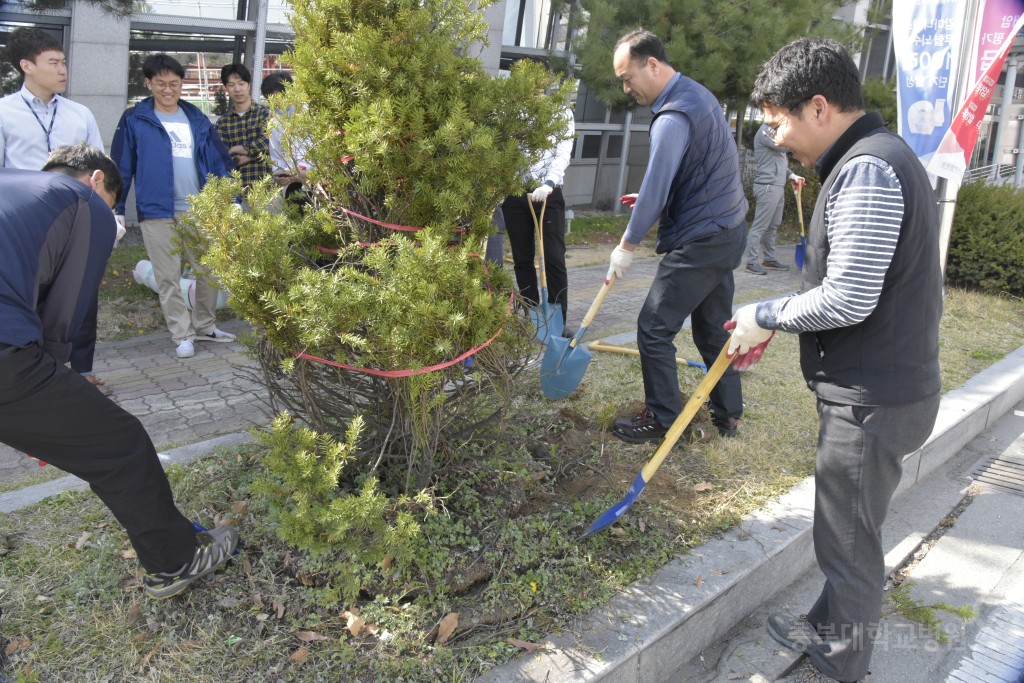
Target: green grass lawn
501,549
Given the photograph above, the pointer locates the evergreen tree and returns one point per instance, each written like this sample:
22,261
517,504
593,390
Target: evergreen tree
405,128
719,43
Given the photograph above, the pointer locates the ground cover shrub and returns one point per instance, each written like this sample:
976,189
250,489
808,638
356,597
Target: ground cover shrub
986,247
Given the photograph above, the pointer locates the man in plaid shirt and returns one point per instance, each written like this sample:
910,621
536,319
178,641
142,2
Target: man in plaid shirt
244,128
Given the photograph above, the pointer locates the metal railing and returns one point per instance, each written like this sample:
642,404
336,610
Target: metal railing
1002,171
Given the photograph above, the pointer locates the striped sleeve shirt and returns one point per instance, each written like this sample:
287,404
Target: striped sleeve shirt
863,215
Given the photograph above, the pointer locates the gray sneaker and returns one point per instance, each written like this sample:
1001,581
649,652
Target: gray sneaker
213,548
796,633
774,265
756,269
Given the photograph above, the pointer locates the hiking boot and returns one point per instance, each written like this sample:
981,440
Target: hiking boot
640,428
216,335
727,426
756,269
186,349
774,265
213,548
796,633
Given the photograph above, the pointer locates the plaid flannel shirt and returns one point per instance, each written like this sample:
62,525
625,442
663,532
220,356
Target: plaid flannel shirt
250,131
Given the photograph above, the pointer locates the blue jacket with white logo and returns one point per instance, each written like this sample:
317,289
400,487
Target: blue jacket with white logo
142,150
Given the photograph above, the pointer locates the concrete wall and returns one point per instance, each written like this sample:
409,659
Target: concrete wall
98,64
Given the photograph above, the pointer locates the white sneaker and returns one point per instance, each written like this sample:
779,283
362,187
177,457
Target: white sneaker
186,349
216,335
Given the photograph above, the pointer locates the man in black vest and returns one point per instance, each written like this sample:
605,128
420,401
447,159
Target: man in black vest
868,319
692,183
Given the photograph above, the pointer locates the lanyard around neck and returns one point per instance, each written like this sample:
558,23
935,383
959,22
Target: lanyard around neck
46,130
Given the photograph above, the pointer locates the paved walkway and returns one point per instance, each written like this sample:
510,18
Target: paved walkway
184,401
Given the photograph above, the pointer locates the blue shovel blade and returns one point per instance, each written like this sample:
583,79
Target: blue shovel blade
548,321
563,368
798,254
612,514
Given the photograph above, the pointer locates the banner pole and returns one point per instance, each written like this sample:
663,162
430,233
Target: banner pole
946,190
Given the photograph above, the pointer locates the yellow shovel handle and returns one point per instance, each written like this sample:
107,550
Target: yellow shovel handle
538,236
700,394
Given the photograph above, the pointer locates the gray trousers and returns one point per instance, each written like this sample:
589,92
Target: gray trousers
768,203
859,464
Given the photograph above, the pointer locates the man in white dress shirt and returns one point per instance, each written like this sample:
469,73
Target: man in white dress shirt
37,120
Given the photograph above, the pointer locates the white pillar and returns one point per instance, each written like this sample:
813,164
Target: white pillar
1004,114
98,64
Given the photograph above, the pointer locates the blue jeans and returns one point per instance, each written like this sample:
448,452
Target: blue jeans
693,281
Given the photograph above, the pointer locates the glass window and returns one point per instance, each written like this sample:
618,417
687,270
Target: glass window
591,146
277,12
614,146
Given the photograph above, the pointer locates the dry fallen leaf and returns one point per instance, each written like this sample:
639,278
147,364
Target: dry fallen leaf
447,627
524,645
308,636
128,554
148,657
703,486
385,564
80,543
699,581
133,614
239,507
15,645
278,606
299,656
356,625
617,531
642,525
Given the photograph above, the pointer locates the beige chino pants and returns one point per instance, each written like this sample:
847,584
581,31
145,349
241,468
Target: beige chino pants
160,235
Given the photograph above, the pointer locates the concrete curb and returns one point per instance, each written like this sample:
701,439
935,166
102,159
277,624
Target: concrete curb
657,625
30,495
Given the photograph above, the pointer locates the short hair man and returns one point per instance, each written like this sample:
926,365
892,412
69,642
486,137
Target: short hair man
37,119
772,171
868,318
287,154
56,232
693,184
169,148
244,127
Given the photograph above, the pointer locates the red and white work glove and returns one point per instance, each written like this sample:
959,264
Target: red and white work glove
749,340
620,261
798,180
628,199
541,193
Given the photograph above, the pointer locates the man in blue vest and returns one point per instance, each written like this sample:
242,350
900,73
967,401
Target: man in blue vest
692,183
56,233
868,318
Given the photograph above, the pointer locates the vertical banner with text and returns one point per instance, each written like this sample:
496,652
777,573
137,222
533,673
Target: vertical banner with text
927,38
954,153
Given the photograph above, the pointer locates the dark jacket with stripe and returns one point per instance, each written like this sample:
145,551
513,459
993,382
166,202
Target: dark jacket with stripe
892,356
55,238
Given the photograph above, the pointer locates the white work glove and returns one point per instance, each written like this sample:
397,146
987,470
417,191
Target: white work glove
621,259
749,340
798,180
121,230
541,193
